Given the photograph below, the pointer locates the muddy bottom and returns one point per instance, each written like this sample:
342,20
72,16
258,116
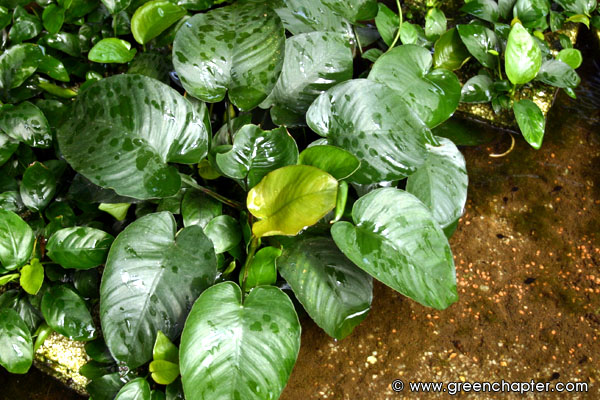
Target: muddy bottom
528,268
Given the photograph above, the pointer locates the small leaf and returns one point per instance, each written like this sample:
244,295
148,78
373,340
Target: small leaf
114,6
435,23
449,51
198,208
32,277
290,199
16,345
97,351
387,23
481,43
38,187
16,240
478,89
112,50
262,269
153,18
531,121
79,247
559,74
68,314
54,68
571,57
26,123
4,279
337,162
117,210
137,389
164,349
53,18
532,13
164,372
224,232
523,57
484,9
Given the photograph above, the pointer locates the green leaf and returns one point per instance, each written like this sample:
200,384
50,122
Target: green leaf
152,277
16,345
79,247
313,63
25,26
262,269
137,389
372,54
8,146
337,162
578,6
523,57
484,9
112,50
153,18
4,279
303,16
478,89
531,121
64,41
18,63
354,10
37,187
198,208
449,51
480,40
20,302
114,6
371,121
164,372
26,123
224,232
255,153
412,34
237,48
16,240
157,395
559,74
571,57
432,93
54,68
441,184
290,199
153,65
97,351
53,18
239,350
105,387
68,314
396,240
336,294
530,12
435,23
117,210
5,17
143,128
505,7
32,277
94,370
164,349
387,23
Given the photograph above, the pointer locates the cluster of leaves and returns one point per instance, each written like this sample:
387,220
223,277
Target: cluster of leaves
126,223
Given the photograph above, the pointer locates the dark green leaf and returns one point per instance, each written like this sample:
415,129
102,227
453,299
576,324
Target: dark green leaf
37,187
559,74
531,121
137,389
68,314
112,50
578,6
21,303
79,247
53,18
435,23
17,64
224,232
63,41
154,65
505,7
25,26
484,9
478,89
105,387
8,146
450,52
198,208
153,18
16,345
16,240
87,283
481,42
114,6
54,68
530,12
97,351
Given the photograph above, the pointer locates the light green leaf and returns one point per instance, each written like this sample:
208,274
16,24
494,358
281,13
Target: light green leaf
531,122
224,232
114,6
16,240
336,294
337,162
79,247
16,345
262,269
137,389
153,18
232,349
237,48
164,372
126,128
26,123
152,277
32,277
290,199
396,240
68,314
112,50
571,57
38,187
4,279
480,40
117,210
164,349
523,57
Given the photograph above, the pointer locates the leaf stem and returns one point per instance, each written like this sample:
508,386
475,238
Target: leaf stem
500,67
254,243
357,39
399,26
231,203
229,124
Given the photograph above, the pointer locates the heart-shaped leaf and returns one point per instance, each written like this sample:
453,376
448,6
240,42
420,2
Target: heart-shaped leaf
523,57
141,123
435,23
313,63
532,13
137,389
16,345
571,57
255,153
20,302
578,6
335,292
432,93
16,240
531,121
53,18
79,247
337,162
32,277
37,187
152,277
396,240
290,199
441,183
480,40
112,50
153,18
374,123
68,314
234,349
387,23
26,123
237,48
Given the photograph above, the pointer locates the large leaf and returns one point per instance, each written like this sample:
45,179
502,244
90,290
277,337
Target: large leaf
441,183
123,131
371,121
523,57
152,278
237,48
37,187
79,247
290,199
313,63
68,314
480,40
16,240
16,345
531,121
335,293
303,16
396,240
26,122
255,153
432,93
354,10
18,63
239,349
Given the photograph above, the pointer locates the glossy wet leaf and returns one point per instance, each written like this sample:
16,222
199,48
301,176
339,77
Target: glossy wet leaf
16,345
79,247
290,199
8,146
106,387
164,372
32,277
505,7
68,314
337,162
198,208
578,6
137,389
224,232
303,16
262,269
26,123
25,26
37,187
441,183
557,73
484,9
18,63
63,41
255,153
16,240
313,63
151,279
395,239
531,121
530,12
53,18
97,351
373,122
571,57
124,131
432,93
481,43
153,65
449,51
387,22
54,68
153,18
336,293
5,17
435,23
353,10
523,57
238,48
254,344
114,6
478,89
20,302
112,50
164,349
